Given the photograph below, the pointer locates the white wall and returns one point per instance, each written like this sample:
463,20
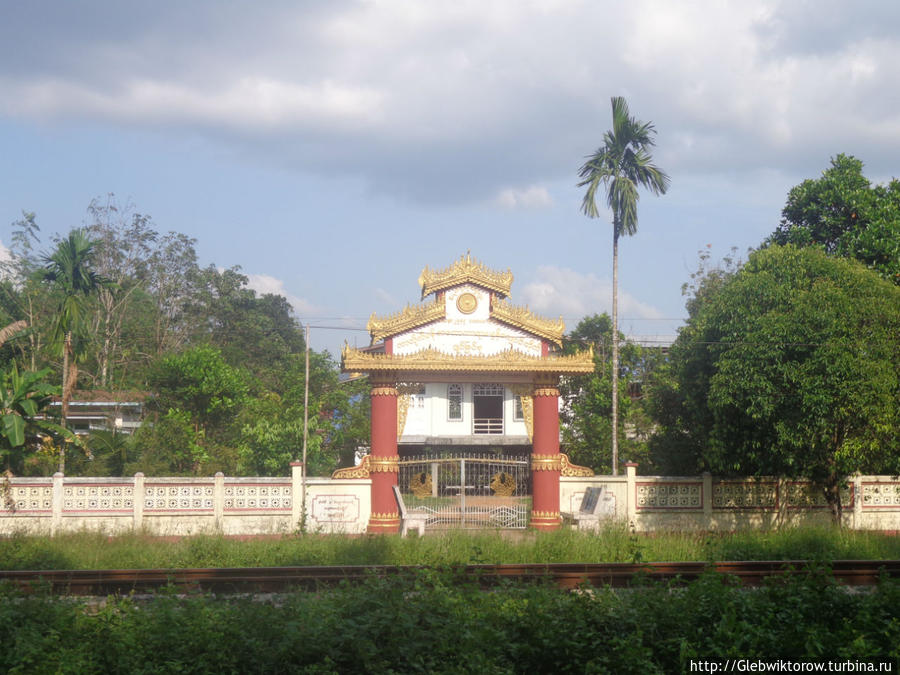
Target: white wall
242,506
431,417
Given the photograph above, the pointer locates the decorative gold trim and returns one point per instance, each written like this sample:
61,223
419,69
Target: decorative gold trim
546,391
466,303
569,469
546,462
431,359
462,271
521,317
405,390
384,518
402,410
381,464
420,484
381,327
545,515
361,470
524,393
503,484
384,391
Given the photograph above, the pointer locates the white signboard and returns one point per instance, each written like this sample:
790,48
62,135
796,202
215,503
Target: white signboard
335,508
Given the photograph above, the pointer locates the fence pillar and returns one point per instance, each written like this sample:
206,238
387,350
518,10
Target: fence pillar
56,518
219,501
707,499
782,502
138,503
630,493
298,496
857,502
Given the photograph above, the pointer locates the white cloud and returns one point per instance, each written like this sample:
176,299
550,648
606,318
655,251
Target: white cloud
562,291
264,283
532,197
461,100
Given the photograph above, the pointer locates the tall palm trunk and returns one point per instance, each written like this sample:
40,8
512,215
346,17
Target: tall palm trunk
615,353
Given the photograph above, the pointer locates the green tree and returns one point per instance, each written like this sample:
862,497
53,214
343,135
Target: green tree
678,385
791,367
23,400
170,445
586,416
259,333
621,165
69,269
847,216
199,382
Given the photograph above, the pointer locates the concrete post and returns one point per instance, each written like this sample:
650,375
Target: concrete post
297,495
857,502
138,503
631,493
56,518
219,501
707,497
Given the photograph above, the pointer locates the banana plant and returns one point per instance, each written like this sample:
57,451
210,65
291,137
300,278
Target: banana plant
23,398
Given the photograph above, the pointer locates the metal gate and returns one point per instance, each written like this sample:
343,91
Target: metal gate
464,490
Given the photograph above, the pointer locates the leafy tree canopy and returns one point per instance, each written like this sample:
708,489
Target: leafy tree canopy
586,417
790,366
200,382
847,216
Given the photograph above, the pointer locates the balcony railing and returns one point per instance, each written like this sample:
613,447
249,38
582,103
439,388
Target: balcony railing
488,425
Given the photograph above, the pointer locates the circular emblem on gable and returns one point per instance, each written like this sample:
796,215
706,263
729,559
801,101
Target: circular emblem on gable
466,303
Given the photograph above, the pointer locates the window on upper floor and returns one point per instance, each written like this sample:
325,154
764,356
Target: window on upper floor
454,401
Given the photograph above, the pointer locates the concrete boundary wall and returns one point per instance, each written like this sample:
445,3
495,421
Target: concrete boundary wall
183,506
272,505
655,503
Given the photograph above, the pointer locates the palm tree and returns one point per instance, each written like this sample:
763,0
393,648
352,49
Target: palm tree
622,165
68,269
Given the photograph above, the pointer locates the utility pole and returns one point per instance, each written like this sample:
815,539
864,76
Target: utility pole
305,435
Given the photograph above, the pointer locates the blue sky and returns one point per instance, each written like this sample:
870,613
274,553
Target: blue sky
333,149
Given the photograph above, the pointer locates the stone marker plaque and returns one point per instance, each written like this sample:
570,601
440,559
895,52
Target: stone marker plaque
335,508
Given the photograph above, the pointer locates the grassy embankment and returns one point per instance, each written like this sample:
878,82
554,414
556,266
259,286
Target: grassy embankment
97,551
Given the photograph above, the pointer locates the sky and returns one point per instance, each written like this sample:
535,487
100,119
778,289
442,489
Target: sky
334,149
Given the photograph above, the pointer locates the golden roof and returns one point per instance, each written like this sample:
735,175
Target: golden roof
521,317
462,271
432,360
407,319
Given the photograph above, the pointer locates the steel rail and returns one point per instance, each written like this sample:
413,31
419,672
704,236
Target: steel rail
564,575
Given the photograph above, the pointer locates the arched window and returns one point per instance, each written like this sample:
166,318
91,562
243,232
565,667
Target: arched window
454,401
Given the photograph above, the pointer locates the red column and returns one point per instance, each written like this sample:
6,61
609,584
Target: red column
545,460
384,460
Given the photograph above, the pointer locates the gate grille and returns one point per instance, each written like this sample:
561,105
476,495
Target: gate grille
464,490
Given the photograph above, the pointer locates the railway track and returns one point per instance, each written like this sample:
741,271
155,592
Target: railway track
566,575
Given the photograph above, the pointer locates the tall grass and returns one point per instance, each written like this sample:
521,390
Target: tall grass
613,544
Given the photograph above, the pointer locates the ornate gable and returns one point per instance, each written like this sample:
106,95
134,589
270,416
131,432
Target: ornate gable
465,270
469,315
